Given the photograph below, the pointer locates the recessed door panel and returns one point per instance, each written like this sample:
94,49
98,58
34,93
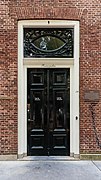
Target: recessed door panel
48,111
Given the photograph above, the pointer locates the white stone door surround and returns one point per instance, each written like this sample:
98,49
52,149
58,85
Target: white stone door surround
72,63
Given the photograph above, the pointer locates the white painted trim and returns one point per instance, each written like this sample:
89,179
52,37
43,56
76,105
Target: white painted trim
72,63
76,90
48,62
20,90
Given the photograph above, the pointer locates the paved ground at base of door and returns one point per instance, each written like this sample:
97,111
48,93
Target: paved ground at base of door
50,170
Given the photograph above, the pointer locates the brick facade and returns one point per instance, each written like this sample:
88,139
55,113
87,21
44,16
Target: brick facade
89,15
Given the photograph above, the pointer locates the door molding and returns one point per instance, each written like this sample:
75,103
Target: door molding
24,63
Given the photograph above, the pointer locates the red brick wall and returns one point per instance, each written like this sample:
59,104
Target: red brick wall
89,15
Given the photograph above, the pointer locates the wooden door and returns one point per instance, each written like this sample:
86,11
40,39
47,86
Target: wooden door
48,117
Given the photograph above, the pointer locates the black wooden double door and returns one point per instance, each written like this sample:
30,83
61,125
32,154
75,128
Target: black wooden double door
48,107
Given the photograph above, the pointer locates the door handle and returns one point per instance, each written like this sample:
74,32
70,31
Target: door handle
29,120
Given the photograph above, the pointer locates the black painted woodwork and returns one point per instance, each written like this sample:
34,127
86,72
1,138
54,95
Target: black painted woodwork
48,107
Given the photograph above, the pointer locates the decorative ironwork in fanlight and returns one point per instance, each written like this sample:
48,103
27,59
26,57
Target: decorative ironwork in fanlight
48,42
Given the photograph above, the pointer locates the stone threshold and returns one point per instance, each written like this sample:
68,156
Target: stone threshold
92,157
8,157
48,158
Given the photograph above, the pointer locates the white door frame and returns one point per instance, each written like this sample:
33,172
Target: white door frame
24,63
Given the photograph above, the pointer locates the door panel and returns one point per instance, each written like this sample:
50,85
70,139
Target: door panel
48,111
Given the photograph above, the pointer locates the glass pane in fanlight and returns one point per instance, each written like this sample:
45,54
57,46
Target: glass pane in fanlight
48,43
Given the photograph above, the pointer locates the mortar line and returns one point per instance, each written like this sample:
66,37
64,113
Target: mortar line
96,166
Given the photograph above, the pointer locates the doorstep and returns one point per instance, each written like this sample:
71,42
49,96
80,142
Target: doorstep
48,158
